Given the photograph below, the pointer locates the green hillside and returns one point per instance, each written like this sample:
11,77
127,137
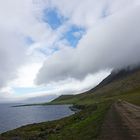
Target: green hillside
123,87
94,104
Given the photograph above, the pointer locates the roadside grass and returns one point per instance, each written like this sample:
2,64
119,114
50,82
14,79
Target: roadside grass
88,127
131,97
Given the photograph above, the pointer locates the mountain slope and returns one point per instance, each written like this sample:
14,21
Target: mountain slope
116,84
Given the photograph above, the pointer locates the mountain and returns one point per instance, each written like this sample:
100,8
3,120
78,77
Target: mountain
118,83
40,99
116,75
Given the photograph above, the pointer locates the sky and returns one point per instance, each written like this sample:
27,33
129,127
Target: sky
51,47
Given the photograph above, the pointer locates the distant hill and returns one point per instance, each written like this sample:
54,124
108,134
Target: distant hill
117,83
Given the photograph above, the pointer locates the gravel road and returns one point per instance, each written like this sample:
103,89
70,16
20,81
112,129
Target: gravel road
122,122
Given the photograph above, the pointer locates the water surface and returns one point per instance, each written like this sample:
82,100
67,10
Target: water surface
13,117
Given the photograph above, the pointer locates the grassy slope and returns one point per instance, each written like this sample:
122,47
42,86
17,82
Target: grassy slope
125,88
86,124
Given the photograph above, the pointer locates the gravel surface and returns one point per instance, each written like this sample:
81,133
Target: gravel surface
122,122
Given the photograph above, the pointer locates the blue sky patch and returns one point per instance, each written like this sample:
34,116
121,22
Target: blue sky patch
29,40
48,51
73,35
26,90
105,12
53,18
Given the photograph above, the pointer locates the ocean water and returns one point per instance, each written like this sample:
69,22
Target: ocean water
13,117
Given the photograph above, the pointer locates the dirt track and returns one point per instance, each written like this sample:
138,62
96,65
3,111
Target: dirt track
122,122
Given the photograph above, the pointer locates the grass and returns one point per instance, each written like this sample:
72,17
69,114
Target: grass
83,124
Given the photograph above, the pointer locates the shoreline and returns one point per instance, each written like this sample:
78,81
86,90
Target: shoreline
69,106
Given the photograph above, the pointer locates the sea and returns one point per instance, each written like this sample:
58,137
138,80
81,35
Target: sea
14,117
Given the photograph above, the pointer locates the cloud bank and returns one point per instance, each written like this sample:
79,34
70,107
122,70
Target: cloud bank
12,55
113,44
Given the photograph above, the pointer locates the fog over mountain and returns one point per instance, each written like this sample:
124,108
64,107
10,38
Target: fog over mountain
113,44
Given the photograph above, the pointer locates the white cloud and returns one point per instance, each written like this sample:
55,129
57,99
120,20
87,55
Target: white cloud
73,86
26,75
88,12
114,43
69,86
17,20
12,55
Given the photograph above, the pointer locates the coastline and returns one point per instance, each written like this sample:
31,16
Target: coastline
63,108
